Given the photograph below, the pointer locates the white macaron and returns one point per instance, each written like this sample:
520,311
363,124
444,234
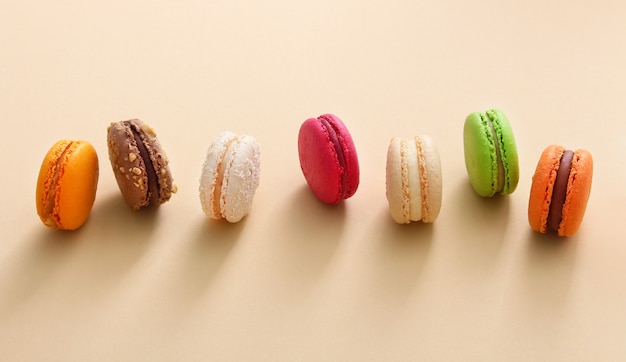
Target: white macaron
230,177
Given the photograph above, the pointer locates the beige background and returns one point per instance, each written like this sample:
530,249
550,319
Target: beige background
298,280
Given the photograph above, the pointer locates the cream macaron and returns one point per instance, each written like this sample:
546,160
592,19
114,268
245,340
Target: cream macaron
414,180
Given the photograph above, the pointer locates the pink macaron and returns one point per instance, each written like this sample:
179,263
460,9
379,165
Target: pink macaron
328,158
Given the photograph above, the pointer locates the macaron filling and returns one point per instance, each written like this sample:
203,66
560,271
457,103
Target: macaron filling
52,219
153,178
496,143
220,187
559,191
332,135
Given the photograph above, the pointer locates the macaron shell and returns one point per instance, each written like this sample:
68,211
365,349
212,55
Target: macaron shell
46,183
508,149
431,179
542,186
241,179
69,175
397,182
131,172
349,153
210,180
480,155
160,162
320,163
578,190
128,166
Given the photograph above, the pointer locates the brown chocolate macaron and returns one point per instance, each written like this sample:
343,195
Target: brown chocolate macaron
139,163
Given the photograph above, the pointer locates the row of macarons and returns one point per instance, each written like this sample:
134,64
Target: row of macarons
559,192
68,176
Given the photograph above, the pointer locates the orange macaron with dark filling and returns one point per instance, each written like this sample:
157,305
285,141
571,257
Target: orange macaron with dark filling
67,183
560,190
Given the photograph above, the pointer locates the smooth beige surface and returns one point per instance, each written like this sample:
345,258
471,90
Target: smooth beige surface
298,280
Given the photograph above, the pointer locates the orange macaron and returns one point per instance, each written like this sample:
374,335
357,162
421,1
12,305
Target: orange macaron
560,190
66,187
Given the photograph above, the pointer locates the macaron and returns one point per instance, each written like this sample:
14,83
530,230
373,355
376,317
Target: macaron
67,183
328,158
490,153
140,164
560,190
230,176
413,180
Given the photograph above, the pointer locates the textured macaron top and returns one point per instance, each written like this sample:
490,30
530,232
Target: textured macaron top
560,190
230,176
67,183
328,158
413,180
491,156
139,163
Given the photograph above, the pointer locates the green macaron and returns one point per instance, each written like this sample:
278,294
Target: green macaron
490,153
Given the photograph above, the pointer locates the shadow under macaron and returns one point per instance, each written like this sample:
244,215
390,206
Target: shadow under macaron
113,212
483,223
546,273
310,234
101,252
397,255
202,255
219,230
319,220
415,231
118,238
32,266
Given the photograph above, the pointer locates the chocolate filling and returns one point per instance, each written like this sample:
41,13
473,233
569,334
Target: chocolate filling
340,156
153,180
559,191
